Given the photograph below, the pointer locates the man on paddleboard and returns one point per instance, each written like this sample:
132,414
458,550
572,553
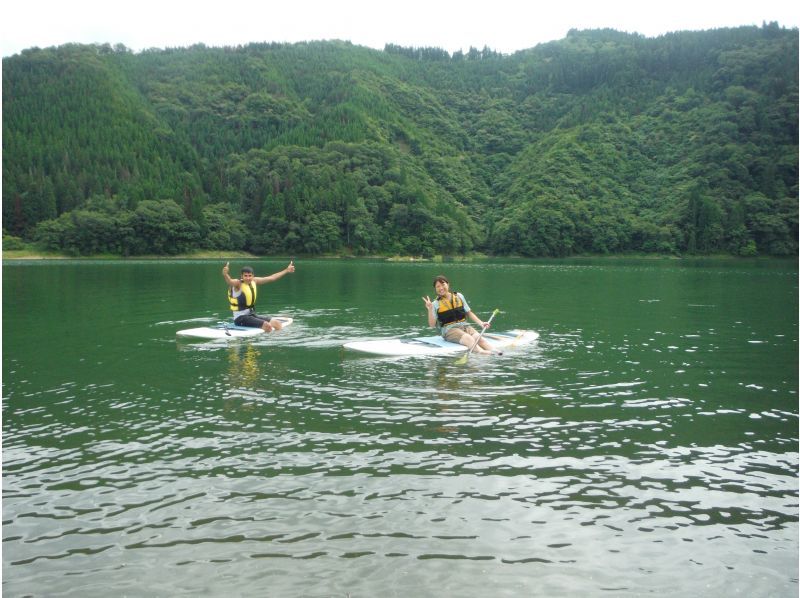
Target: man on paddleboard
449,312
242,297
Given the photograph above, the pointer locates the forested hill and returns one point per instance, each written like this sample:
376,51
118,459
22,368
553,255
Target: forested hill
602,142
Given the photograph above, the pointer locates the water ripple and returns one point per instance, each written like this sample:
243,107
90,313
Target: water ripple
655,460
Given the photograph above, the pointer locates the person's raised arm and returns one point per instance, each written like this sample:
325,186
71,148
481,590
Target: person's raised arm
429,309
232,282
278,275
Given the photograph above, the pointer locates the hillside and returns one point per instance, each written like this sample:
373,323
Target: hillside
602,142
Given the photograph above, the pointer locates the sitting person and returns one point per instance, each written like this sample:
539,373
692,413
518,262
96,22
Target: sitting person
242,297
449,312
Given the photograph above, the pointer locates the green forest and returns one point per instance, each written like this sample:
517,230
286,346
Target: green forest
600,143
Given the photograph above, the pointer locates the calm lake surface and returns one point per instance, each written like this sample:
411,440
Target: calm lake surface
647,445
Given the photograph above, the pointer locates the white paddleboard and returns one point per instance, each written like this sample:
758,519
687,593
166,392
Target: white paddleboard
228,331
436,345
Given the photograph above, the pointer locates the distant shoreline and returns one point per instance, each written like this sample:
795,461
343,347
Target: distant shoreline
18,255
34,255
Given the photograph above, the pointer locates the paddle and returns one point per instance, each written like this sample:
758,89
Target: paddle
463,360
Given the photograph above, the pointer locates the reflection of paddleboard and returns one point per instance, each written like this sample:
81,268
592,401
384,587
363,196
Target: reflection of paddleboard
228,331
436,345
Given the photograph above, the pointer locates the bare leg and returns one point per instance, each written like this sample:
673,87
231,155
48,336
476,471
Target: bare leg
483,343
468,339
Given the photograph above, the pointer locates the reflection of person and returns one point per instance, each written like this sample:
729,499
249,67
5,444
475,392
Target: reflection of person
449,312
244,365
244,373
242,297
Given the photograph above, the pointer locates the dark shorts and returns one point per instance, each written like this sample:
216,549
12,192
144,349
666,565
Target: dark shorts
251,320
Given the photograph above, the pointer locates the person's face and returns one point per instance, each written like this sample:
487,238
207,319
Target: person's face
441,288
247,276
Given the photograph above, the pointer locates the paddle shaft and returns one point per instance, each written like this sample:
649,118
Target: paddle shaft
480,336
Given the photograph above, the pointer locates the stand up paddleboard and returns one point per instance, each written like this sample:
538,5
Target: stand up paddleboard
228,331
436,345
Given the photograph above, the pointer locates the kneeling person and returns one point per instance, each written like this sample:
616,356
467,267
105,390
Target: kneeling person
242,297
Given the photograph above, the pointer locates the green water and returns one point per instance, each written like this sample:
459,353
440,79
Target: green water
647,445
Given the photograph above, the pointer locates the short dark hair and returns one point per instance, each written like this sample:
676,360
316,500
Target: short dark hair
247,269
440,278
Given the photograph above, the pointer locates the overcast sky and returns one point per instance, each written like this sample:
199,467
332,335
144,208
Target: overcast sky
502,25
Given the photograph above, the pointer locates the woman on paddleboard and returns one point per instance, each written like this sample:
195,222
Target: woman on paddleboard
242,297
449,312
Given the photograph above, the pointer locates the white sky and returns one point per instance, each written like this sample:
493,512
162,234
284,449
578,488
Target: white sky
503,25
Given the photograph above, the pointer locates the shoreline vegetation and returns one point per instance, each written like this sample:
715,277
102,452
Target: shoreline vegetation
602,143
33,255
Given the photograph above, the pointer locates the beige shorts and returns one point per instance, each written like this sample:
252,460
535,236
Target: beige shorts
454,333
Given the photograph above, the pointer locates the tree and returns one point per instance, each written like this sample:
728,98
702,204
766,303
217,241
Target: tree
223,228
161,228
321,233
600,142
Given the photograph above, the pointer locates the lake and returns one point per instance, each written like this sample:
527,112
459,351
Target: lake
646,445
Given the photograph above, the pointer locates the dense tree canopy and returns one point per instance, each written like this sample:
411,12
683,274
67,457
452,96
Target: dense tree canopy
603,142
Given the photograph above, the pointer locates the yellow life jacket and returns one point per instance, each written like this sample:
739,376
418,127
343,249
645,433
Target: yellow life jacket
245,300
451,310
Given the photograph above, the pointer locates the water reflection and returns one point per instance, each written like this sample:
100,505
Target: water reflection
647,452
244,379
447,384
244,368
